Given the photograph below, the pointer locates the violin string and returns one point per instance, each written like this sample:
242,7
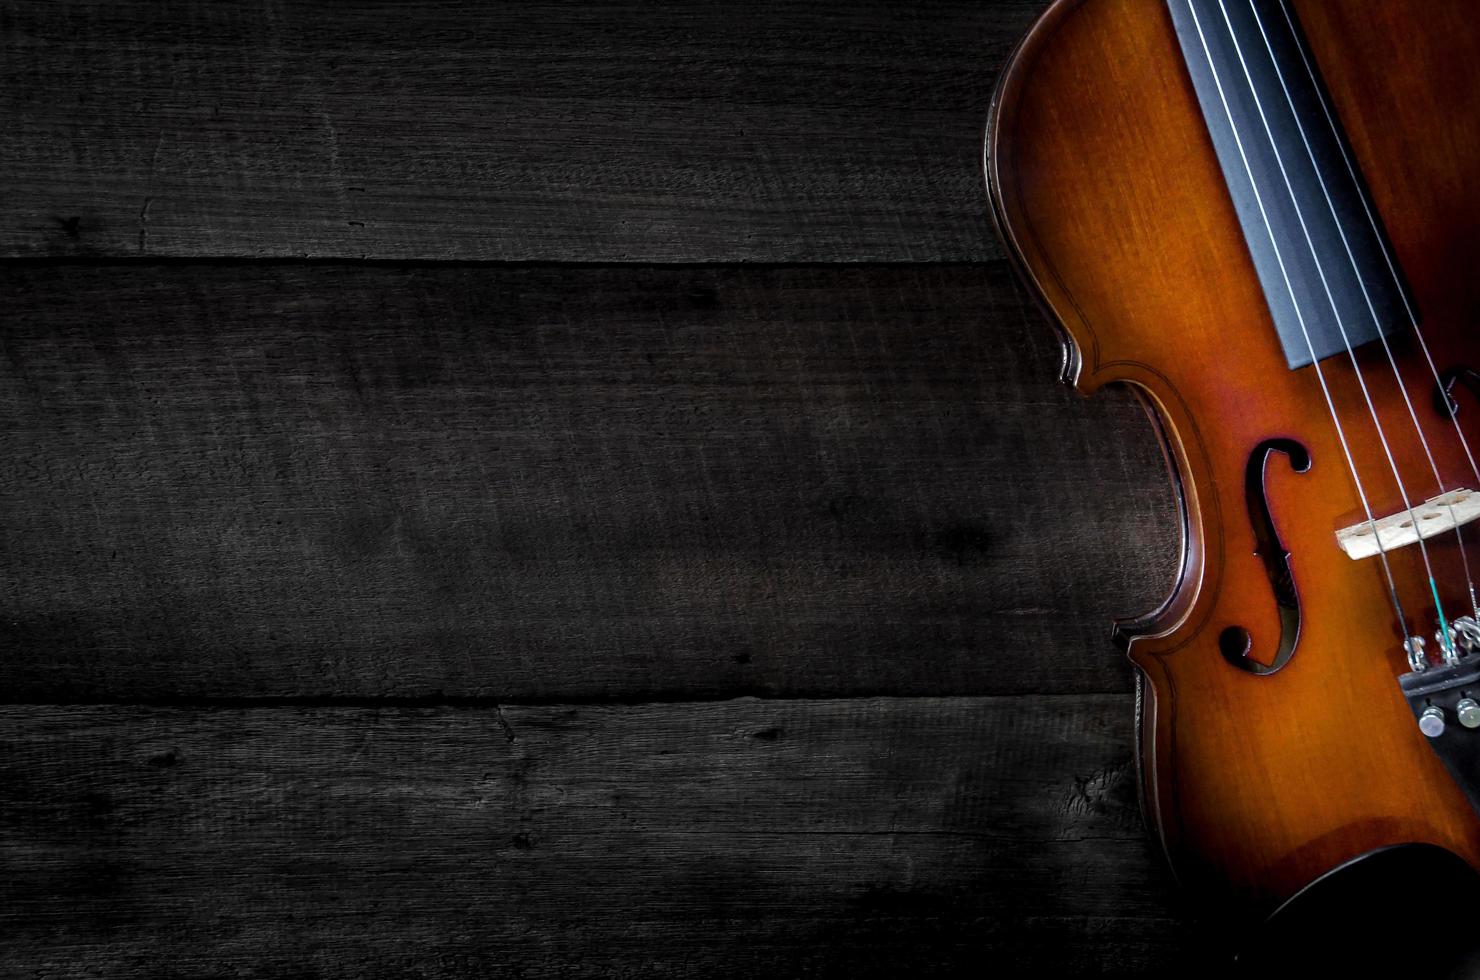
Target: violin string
1412,316
1300,319
1377,321
1444,639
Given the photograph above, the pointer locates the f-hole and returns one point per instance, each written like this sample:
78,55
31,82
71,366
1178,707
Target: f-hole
1235,642
1444,400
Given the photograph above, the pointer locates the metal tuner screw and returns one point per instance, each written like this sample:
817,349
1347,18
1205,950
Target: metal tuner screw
1466,633
1431,722
1449,649
1417,659
1468,711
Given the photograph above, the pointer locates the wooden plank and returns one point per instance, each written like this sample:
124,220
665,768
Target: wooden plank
866,838
646,132
572,483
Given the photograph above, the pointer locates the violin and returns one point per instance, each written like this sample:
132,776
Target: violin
1264,217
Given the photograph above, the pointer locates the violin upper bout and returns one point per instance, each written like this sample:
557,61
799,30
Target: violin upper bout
1105,189
1066,172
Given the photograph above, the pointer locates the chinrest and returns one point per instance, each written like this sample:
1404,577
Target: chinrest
1409,909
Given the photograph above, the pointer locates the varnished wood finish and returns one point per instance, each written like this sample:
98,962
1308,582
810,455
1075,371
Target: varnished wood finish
1106,185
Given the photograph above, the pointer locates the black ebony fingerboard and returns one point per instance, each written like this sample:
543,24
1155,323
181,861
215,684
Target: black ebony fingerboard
1316,241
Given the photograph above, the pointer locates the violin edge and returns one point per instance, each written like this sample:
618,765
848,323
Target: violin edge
1153,688
1053,88
1086,375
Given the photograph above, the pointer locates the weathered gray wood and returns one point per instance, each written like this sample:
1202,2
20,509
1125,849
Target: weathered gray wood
571,483
326,482
866,838
676,131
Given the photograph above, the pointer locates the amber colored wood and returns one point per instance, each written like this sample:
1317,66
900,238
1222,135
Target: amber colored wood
1105,184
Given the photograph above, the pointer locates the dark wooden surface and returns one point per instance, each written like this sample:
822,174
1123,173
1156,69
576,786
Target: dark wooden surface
291,481
782,130
892,837
600,617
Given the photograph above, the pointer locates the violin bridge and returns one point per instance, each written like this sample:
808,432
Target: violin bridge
1432,517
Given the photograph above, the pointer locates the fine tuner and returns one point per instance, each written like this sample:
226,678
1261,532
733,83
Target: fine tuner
1450,690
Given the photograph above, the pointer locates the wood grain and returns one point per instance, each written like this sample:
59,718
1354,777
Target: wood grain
643,132
864,838
242,493
332,481
1256,783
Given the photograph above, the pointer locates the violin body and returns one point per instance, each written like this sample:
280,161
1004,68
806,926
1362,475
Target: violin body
1107,190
